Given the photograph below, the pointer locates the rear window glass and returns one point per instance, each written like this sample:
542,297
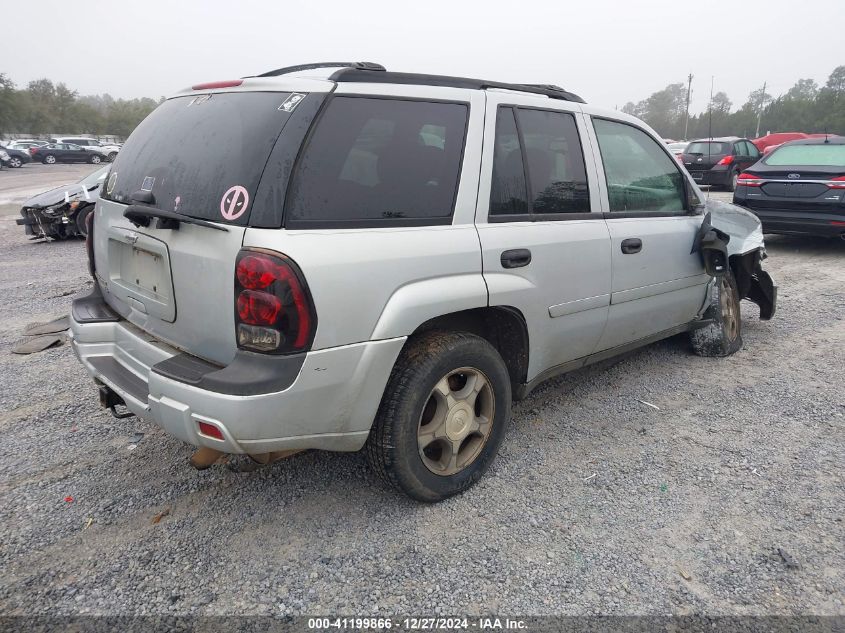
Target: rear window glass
708,148
201,156
380,160
815,155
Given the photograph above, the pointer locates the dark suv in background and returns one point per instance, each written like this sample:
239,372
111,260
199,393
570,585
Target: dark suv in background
719,161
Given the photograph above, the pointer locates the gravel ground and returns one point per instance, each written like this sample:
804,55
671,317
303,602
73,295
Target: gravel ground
727,500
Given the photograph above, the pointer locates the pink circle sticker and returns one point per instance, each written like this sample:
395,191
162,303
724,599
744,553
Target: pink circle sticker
234,202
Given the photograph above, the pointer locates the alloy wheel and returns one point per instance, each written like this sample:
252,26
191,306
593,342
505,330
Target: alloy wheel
729,308
456,421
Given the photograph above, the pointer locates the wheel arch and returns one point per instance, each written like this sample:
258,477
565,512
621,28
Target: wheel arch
503,327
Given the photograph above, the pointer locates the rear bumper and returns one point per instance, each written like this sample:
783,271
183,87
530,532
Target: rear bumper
329,404
790,222
721,178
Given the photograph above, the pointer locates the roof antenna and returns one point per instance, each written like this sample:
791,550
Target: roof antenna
826,139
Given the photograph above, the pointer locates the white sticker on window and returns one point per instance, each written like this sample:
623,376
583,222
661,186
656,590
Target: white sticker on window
234,202
292,101
148,183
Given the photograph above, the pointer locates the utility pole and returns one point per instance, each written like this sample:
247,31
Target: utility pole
760,110
686,116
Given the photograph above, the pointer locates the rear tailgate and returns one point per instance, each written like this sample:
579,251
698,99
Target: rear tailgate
202,156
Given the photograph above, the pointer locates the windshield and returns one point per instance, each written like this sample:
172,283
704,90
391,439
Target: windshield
698,147
811,155
95,177
201,155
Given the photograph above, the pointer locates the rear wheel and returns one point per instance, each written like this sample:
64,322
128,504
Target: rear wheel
112,156
49,159
723,336
95,159
731,186
442,417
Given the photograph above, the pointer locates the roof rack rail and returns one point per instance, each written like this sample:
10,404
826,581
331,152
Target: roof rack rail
368,66
353,74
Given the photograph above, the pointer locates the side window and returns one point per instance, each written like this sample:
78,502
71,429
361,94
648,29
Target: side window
556,170
544,147
380,159
509,193
753,152
640,175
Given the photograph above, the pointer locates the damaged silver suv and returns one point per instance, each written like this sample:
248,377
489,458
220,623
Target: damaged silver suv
337,257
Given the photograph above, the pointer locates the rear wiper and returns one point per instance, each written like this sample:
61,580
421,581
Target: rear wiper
141,215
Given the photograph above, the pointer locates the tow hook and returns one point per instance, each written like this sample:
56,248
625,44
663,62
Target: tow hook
110,400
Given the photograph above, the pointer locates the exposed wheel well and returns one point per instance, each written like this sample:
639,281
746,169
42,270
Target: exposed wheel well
743,268
502,326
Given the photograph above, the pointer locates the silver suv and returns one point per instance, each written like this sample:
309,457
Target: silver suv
337,257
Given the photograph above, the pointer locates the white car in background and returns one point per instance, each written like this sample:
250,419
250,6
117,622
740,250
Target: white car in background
108,150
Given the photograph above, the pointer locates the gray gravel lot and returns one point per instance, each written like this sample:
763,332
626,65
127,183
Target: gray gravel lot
727,500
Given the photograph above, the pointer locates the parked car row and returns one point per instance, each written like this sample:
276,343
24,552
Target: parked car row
57,150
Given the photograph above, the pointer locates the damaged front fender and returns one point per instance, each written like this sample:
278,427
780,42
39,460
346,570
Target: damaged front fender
746,251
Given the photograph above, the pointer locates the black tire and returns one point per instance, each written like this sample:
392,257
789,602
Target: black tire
112,156
49,159
723,337
16,162
731,186
81,217
95,159
393,448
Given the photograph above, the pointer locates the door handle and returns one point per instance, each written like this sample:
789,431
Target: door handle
516,258
632,245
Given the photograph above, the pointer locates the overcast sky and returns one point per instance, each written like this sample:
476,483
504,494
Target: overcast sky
609,52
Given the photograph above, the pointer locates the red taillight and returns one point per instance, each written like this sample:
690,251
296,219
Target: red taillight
727,160
837,183
255,273
258,308
211,85
210,430
749,180
273,309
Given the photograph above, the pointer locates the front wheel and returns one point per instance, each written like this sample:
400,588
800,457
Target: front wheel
95,159
723,336
81,219
14,161
442,417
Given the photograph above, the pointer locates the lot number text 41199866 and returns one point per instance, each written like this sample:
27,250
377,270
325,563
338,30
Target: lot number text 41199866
417,624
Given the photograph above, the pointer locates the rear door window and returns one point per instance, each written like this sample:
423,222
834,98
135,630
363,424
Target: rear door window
201,155
379,161
544,148
641,177
509,192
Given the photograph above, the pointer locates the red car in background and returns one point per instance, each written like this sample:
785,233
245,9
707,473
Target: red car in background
767,143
